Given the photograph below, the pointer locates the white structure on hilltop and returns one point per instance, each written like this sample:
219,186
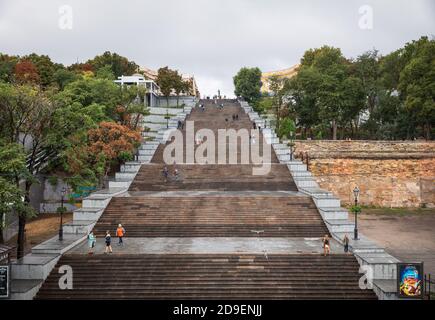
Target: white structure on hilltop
193,92
153,90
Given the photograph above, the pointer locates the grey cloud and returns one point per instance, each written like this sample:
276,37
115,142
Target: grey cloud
210,39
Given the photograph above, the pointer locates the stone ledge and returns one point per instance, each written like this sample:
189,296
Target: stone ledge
22,289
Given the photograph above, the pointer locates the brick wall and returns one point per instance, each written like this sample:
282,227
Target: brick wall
389,174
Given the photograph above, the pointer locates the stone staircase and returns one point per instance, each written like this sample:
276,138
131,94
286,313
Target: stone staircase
223,277
214,216
225,177
219,203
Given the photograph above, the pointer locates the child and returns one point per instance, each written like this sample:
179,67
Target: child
91,242
108,240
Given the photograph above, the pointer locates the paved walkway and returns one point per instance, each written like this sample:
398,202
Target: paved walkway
213,246
408,238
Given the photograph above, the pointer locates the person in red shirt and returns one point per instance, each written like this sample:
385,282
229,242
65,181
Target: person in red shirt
120,232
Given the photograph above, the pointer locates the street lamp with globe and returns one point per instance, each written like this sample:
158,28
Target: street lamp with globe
356,195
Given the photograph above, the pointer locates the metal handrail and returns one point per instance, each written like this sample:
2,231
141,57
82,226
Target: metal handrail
427,285
5,253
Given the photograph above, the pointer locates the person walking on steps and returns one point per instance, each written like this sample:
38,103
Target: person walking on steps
176,174
91,242
108,240
120,232
346,244
166,173
326,247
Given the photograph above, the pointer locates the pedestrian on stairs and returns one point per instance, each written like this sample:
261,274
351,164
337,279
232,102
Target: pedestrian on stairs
176,174
108,240
120,232
91,242
326,247
346,244
166,173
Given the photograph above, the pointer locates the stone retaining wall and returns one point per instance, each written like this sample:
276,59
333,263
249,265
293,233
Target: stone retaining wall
389,174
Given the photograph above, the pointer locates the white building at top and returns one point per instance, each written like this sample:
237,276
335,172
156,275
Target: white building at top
153,90
154,97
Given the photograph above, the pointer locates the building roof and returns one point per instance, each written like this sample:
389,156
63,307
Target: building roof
284,73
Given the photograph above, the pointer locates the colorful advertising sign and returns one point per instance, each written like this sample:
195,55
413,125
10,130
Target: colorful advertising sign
410,280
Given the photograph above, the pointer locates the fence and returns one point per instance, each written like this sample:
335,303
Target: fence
429,286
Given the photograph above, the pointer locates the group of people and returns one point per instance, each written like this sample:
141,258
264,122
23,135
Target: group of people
220,105
165,173
327,246
92,240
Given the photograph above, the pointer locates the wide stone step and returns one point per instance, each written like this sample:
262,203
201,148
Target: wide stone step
229,177
244,216
87,214
208,277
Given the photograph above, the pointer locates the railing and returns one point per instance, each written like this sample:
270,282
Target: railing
5,253
306,158
428,285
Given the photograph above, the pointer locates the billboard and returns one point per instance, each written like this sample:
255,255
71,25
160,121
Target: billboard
410,282
4,282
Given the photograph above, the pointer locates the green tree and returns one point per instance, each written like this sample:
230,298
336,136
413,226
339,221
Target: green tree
367,68
276,85
7,67
247,83
12,170
416,84
27,113
287,126
93,91
328,93
167,80
46,68
304,103
179,86
62,77
105,72
119,64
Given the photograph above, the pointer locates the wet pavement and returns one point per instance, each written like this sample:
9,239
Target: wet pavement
212,245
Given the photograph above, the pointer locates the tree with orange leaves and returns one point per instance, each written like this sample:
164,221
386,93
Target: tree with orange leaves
26,72
110,143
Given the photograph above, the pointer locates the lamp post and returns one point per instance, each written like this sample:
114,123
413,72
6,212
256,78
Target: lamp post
63,192
356,194
291,144
167,118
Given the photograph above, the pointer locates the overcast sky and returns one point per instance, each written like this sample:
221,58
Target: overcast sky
210,39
